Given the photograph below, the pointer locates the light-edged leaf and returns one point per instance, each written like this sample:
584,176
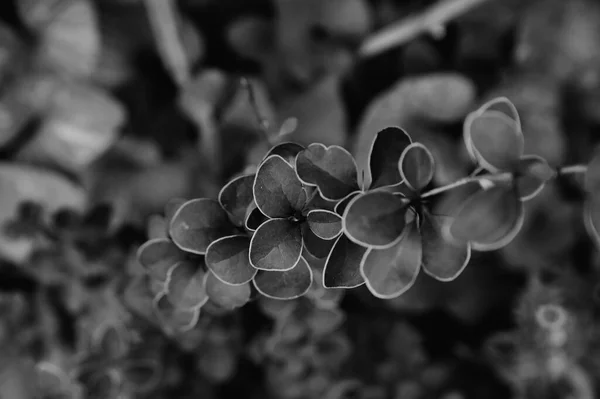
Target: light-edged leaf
197,223
226,295
591,181
277,190
340,207
172,318
493,140
489,219
387,147
442,259
325,224
533,173
236,196
504,106
390,272
286,150
276,245
284,285
254,218
416,166
186,286
332,169
342,267
375,219
316,246
157,256
228,259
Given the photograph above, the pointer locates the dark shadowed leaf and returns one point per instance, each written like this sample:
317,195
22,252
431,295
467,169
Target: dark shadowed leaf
489,219
197,223
386,149
158,256
340,207
315,246
325,224
142,375
185,286
316,201
494,140
225,295
416,166
331,169
592,175
375,219
442,259
288,284
276,245
390,272
342,268
236,196
287,151
533,173
228,258
254,218
277,190
172,318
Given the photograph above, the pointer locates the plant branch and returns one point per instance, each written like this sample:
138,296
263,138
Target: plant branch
572,169
431,20
262,121
506,176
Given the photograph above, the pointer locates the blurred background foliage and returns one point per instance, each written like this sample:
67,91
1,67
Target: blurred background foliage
110,108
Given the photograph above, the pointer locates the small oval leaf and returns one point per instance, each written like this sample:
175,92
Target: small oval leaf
185,286
284,285
489,219
325,224
228,258
332,169
277,190
375,219
342,267
236,196
533,173
390,272
276,245
197,223
494,140
386,148
442,259
416,166
226,295
158,256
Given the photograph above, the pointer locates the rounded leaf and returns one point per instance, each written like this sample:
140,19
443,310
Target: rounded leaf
390,272
494,140
185,286
276,245
386,148
173,318
489,219
226,295
236,196
286,150
289,284
197,223
158,256
316,246
443,259
277,190
375,219
228,259
342,267
533,173
332,169
325,224
416,166
504,106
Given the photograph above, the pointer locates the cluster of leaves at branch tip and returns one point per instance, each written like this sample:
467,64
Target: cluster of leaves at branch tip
306,203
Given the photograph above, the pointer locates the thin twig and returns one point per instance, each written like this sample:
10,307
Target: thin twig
434,18
573,169
461,182
262,121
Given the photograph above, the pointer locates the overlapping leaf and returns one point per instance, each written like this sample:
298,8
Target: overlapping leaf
290,284
276,245
277,190
532,175
236,196
375,219
331,169
416,166
386,148
228,258
342,268
286,150
390,272
325,224
226,295
197,223
158,256
186,286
